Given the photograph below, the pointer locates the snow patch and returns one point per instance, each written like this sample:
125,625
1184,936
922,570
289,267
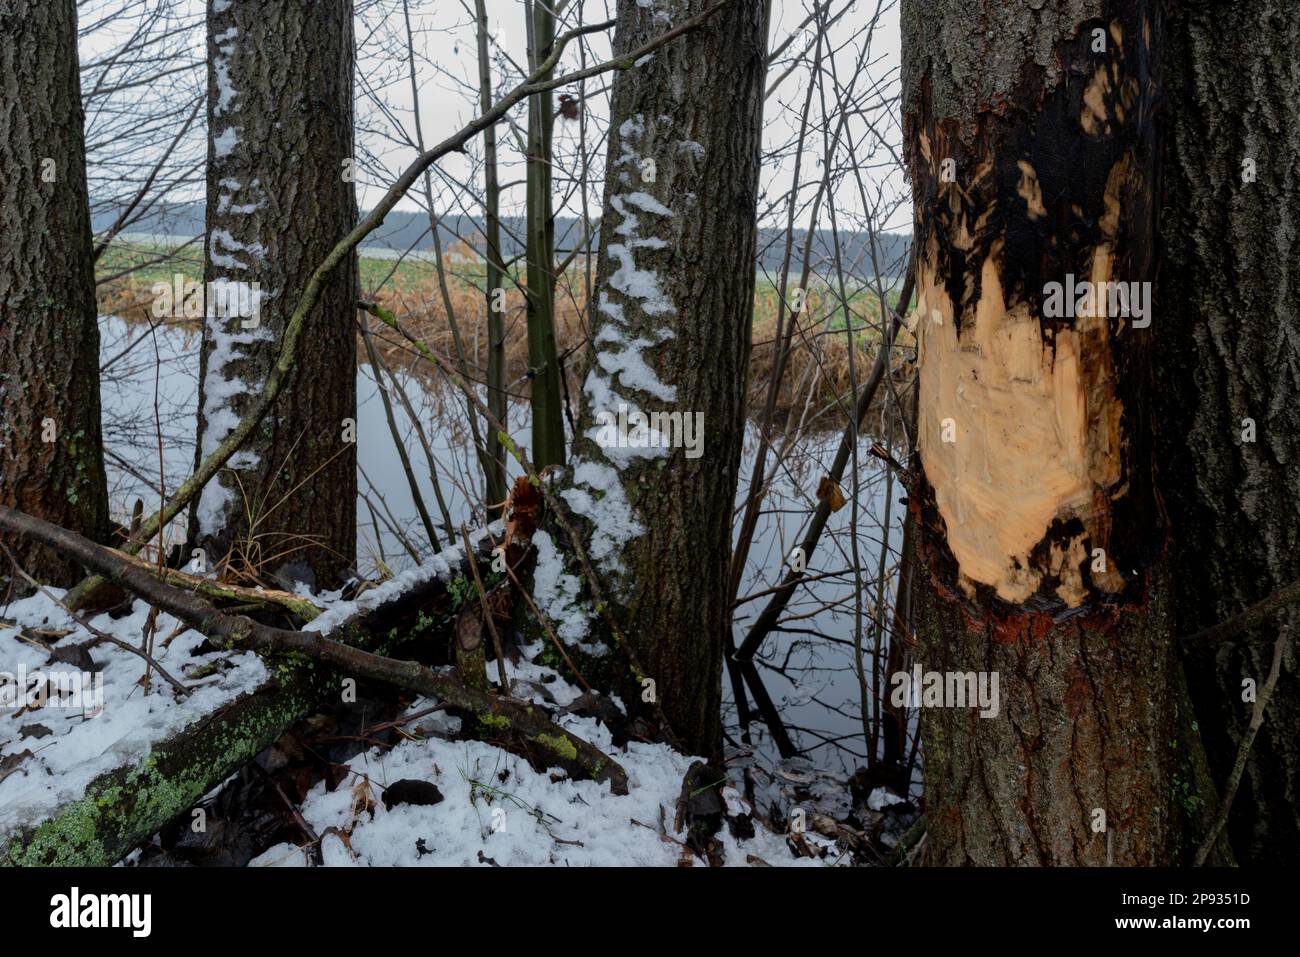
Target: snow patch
225,142
222,238
497,809
556,593
219,418
604,503
78,749
440,566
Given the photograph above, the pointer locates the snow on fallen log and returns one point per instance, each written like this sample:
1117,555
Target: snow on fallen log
63,760
84,790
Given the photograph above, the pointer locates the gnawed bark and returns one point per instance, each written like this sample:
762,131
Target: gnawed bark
1032,142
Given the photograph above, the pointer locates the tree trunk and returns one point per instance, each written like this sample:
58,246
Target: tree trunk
1228,421
280,195
543,359
495,275
51,451
1033,150
671,334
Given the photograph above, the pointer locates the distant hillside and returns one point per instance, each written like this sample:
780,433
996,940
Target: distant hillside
402,231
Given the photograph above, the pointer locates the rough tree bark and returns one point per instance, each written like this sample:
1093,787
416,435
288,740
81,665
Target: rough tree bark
51,453
280,196
1032,142
671,334
1228,421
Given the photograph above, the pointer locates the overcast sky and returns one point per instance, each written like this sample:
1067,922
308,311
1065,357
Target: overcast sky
445,46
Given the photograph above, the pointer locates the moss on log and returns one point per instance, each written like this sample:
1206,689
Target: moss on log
124,807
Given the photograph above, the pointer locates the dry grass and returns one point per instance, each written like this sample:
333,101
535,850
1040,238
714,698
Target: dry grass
817,372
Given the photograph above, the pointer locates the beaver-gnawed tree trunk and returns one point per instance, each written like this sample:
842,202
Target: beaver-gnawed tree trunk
280,195
671,334
1228,401
1032,143
51,452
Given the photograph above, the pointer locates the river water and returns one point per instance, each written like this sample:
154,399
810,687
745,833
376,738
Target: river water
150,388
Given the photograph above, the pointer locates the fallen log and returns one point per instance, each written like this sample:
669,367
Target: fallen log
124,807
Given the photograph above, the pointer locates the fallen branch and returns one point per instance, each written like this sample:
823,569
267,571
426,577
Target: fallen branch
122,808
558,747
1256,614
179,688
265,597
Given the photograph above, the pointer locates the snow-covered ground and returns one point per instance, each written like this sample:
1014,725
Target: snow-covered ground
68,748
496,809
494,804
52,747
72,745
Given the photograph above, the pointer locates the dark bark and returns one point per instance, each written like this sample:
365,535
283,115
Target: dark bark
1230,351
280,134
494,274
1034,434
674,290
545,384
51,454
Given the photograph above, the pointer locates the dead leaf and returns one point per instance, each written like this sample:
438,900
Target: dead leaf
362,799
524,509
830,493
569,106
